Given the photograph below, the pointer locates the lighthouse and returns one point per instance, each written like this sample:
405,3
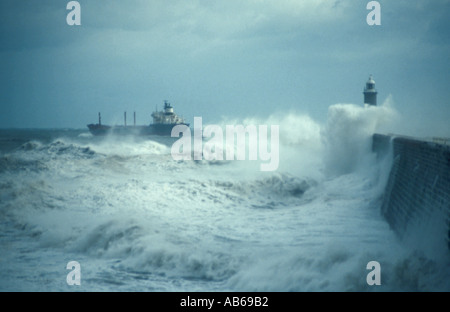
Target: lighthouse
370,93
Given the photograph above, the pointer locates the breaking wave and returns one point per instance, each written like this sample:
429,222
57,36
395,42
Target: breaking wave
136,219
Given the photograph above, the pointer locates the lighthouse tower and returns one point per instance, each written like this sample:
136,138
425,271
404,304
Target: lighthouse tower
370,93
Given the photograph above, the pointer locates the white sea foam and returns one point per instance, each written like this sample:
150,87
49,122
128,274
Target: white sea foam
135,219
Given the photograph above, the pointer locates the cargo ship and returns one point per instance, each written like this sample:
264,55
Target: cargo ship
163,123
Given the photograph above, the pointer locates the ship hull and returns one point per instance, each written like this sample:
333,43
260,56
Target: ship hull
154,129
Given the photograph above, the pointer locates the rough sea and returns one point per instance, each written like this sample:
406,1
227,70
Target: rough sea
135,219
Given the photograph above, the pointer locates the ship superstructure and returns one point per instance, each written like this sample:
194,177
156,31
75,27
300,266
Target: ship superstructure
167,116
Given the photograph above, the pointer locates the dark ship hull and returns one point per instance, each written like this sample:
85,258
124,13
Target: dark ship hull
158,129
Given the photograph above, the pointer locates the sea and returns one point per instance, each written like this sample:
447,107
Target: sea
135,219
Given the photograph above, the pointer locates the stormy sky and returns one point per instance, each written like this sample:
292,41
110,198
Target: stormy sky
216,58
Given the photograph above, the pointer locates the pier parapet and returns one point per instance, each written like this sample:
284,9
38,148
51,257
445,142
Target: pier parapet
416,201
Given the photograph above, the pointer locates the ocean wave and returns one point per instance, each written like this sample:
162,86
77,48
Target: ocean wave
59,147
11,163
128,147
34,156
274,190
128,207
30,145
194,264
149,251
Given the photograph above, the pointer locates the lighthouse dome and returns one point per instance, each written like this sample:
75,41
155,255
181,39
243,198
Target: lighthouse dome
370,84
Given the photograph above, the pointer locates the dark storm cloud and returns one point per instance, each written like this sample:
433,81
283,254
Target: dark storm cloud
216,58
32,24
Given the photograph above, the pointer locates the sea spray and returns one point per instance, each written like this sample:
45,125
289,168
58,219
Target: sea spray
347,135
135,219
300,146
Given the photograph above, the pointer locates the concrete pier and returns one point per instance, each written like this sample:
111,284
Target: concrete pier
416,201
